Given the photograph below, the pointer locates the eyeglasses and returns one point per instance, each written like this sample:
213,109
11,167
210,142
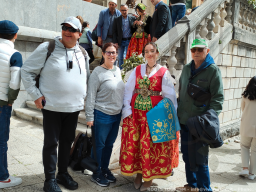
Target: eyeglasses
200,50
108,53
70,29
123,10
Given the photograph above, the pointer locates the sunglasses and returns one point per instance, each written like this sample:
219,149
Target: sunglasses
108,53
200,50
70,29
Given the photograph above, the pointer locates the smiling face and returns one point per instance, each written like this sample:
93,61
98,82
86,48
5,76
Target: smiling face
70,38
109,57
124,11
151,54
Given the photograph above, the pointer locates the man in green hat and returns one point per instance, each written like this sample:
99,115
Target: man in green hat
202,72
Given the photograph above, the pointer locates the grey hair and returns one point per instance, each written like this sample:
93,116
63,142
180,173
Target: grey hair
124,5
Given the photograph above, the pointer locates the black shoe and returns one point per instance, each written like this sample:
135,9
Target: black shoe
100,180
109,176
51,186
66,180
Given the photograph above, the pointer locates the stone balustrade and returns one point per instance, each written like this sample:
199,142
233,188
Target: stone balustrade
206,22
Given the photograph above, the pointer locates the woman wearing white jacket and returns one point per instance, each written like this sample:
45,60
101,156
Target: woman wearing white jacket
248,130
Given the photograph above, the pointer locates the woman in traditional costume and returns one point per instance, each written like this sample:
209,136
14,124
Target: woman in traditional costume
142,35
139,155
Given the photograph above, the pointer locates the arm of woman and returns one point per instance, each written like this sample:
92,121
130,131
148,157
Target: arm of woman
128,93
93,86
242,103
168,90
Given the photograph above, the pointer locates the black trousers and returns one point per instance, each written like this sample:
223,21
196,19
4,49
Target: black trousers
59,131
90,53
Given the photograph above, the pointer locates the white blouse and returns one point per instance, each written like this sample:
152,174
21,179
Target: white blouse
167,88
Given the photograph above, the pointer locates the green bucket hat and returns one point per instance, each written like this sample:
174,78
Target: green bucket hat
200,43
142,6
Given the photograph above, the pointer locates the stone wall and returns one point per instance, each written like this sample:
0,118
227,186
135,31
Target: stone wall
238,66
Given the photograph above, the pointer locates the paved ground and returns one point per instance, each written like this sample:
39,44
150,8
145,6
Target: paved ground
25,160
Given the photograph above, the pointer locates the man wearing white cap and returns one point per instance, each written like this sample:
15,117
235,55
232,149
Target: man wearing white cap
105,23
60,96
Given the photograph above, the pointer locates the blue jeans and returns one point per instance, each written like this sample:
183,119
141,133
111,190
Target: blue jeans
5,115
122,52
178,11
201,178
105,128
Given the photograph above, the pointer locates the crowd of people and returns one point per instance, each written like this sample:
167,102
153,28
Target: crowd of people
65,81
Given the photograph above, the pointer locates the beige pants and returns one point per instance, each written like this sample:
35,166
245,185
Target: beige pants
247,143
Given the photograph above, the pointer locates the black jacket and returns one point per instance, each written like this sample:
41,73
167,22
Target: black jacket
161,21
203,132
118,28
177,1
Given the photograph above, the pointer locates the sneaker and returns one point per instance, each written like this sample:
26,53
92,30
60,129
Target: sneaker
67,181
100,180
51,186
109,176
10,182
251,176
244,173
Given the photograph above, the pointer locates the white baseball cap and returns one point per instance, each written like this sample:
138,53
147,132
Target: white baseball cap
74,22
114,1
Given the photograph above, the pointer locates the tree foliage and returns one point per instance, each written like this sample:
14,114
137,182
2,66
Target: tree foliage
253,3
131,63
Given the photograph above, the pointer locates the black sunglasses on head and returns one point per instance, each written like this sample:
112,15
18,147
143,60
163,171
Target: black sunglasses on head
70,29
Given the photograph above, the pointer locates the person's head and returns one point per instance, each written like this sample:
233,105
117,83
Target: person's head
109,52
85,24
8,30
141,9
71,31
154,2
150,52
250,90
80,19
199,50
112,4
124,10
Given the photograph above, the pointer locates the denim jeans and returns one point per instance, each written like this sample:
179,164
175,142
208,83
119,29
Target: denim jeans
5,115
122,52
201,178
105,128
178,11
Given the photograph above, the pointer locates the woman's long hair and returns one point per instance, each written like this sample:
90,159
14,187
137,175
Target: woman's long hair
250,90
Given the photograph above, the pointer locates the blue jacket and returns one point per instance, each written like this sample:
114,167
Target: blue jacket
104,23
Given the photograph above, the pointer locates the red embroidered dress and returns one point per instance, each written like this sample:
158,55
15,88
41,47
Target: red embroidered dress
138,153
139,39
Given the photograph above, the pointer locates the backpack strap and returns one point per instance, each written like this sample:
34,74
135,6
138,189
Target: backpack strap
86,61
51,48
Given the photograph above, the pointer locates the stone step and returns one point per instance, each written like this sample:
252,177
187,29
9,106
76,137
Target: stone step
36,116
81,117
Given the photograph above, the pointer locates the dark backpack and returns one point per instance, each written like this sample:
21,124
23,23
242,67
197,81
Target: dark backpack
51,48
80,154
94,34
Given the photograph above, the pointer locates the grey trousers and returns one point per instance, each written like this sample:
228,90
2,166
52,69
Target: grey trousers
248,160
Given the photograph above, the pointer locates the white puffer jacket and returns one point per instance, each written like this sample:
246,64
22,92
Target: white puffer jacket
8,74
